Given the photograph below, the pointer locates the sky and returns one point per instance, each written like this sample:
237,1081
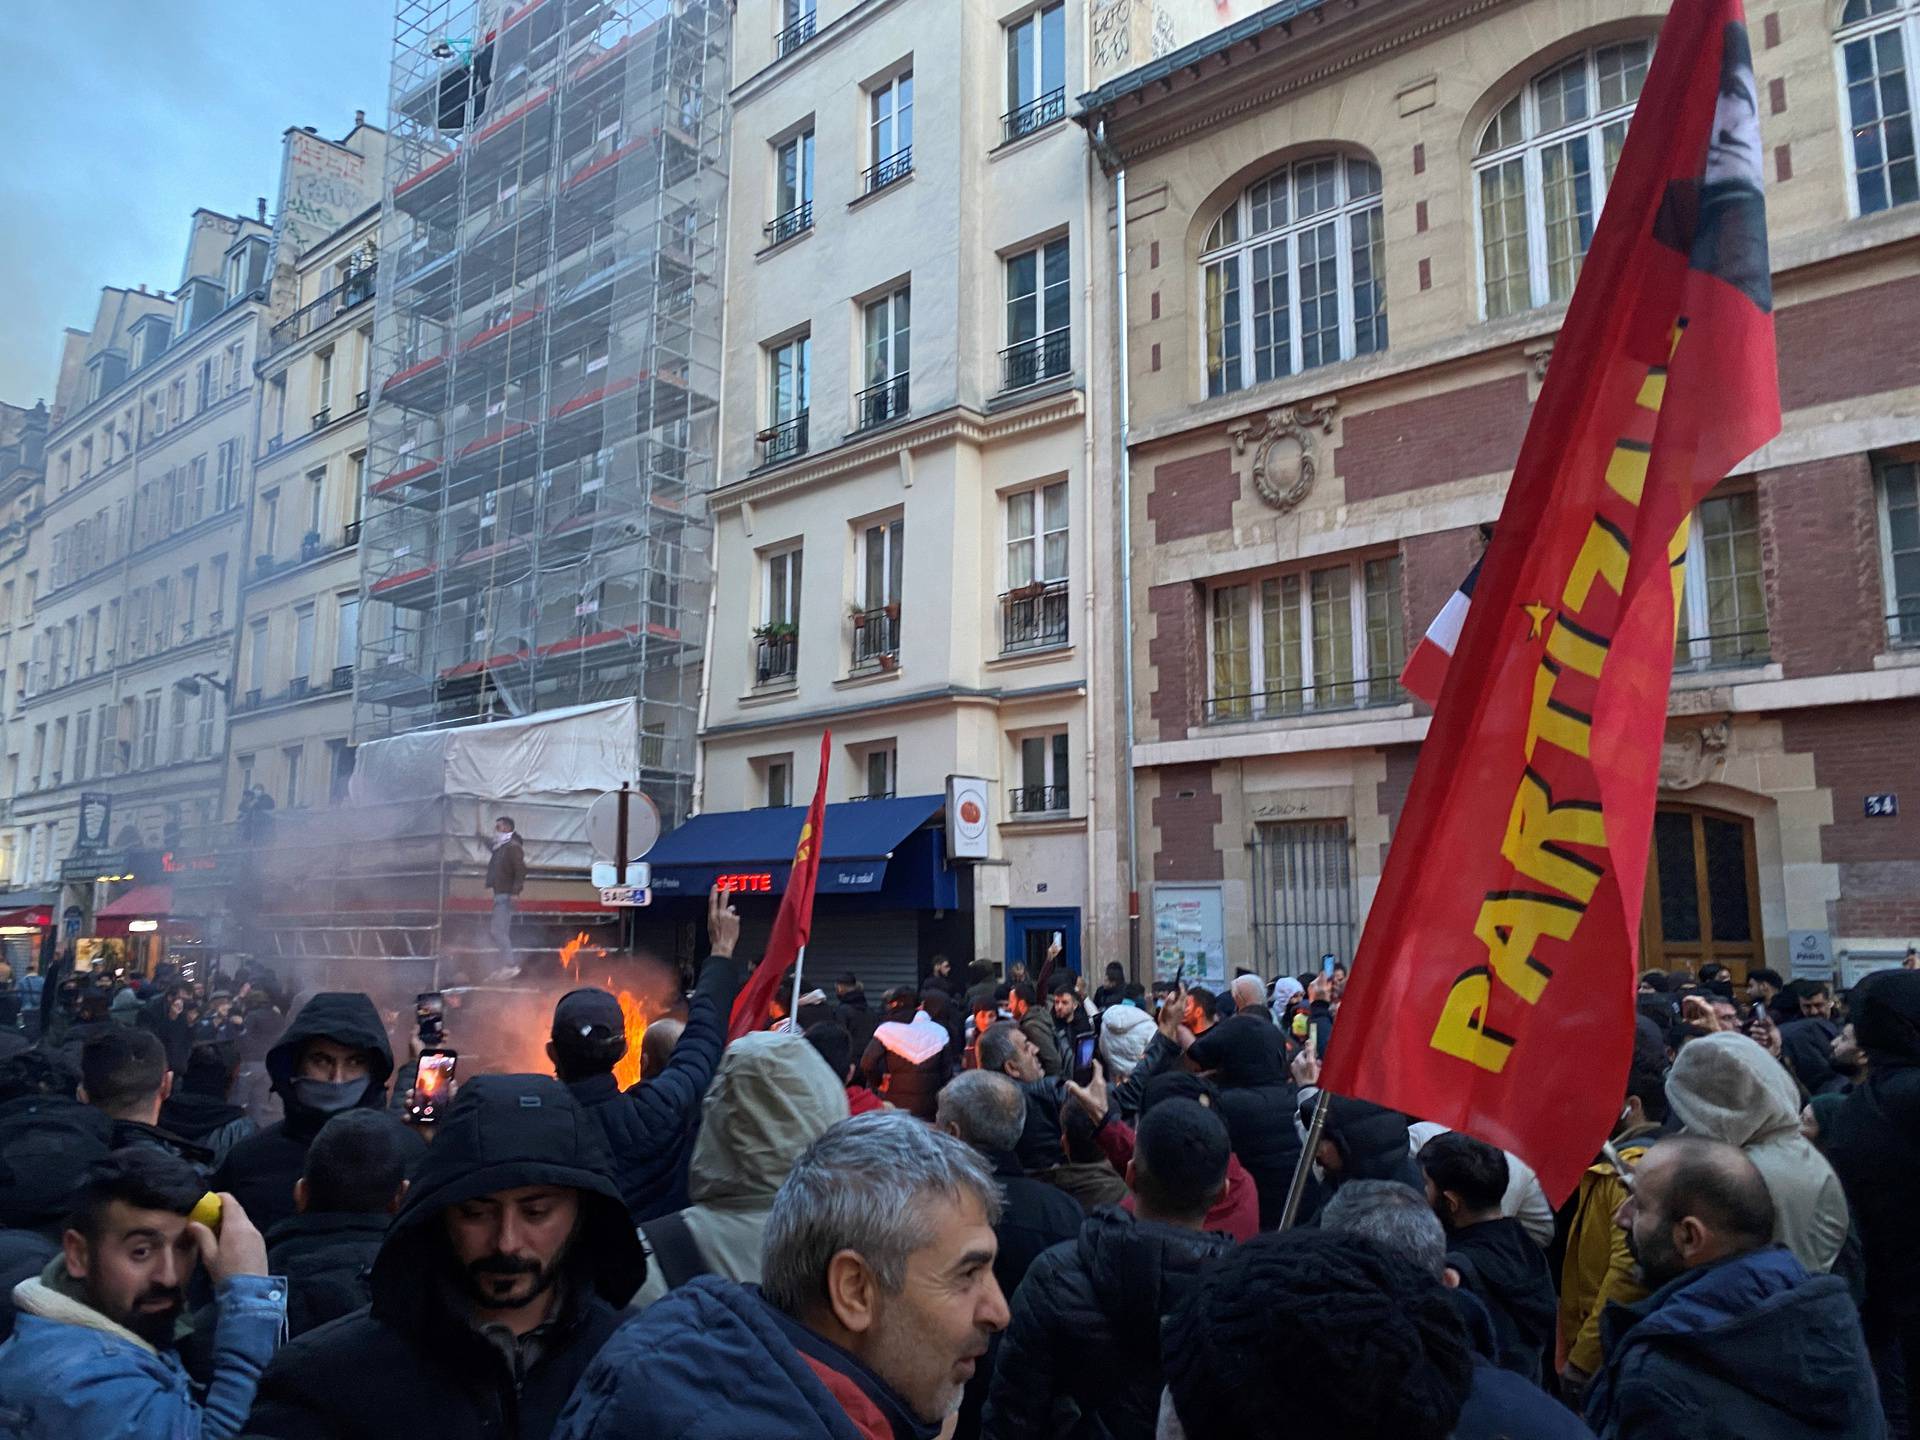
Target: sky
122,117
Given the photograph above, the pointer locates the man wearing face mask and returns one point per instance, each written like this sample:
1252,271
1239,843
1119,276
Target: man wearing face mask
93,1348
334,1056
500,1278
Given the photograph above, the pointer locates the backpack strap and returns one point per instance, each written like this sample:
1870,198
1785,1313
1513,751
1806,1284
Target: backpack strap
671,1246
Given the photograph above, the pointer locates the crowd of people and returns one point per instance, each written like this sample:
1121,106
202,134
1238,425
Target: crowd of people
1003,1206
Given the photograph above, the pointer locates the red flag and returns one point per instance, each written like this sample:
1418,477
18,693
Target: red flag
795,921
1493,988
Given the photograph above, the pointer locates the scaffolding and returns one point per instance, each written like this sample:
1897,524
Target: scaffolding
546,369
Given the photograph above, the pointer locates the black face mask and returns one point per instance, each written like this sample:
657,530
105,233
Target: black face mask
329,1097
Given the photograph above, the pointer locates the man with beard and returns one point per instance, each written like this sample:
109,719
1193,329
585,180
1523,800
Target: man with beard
333,1057
92,1351
1700,1221
877,1301
502,1275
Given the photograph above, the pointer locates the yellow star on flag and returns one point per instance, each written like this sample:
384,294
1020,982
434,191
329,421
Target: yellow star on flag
1536,618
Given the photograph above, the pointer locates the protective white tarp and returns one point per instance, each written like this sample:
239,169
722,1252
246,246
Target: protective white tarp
542,770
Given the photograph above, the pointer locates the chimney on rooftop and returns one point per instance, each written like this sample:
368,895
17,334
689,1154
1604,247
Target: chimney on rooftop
359,118
260,207
143,287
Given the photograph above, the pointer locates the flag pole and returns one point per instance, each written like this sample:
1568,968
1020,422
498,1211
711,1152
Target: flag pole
1300,1171
799,969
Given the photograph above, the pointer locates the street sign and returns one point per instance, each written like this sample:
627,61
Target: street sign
603,826
616,896
606,875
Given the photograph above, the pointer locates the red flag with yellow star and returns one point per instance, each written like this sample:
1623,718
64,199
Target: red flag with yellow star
1493,989
795,921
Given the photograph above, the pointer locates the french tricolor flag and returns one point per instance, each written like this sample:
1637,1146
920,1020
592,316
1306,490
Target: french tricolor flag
1426,668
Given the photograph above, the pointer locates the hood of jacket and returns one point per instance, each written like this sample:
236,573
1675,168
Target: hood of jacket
1718,1318
1371,1138
195,1117
1140,1270
1727,1088
54,1296
916,1041
772,1097
1241,1050
1125,1033
344,1017
1886,1018
503,1132
46,1144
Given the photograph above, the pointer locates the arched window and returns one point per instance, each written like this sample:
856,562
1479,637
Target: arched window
1294,271
1878,39
1543,166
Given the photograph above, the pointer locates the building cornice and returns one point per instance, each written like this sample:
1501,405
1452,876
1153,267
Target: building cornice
958,423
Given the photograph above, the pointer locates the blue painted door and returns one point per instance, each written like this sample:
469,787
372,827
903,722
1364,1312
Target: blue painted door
1030,935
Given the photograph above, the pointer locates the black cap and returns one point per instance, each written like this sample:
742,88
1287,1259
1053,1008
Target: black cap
588,1014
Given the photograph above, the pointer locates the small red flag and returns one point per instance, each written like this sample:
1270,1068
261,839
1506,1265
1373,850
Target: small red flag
794,922
1493,988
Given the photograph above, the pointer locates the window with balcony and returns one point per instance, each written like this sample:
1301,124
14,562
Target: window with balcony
346,639
150,730
888,328
1036,71
1877,41
796,19
1033,609
323,411
792,189
880,555
204,392
316,512
881,766
1039,316
291,758
277,409
1542,169
203,725
303,637
256,660
777,637
82,744
1900,547
269,523
1043,787
889,133
178,738
778,775
1722,617
1306,640
1294,274
236,366
788,397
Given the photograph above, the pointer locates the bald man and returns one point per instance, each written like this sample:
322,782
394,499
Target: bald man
656,1046
1699,1222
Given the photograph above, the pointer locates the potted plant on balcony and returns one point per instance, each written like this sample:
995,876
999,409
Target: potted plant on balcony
893,610
1032,590
857,615
889,661
776,630
309,544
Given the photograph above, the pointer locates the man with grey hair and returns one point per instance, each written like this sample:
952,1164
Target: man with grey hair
988,1111
1397,1218
877,1302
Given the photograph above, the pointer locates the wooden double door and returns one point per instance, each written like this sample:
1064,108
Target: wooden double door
1703,892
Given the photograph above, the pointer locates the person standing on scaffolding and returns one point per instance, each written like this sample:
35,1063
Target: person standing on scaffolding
506,878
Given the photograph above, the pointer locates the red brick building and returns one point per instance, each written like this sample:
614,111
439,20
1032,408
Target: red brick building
1351,232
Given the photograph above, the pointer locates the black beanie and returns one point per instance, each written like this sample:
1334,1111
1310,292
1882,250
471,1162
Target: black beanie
1391,1356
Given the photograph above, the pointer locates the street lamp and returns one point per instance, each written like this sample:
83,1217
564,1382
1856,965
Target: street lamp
190,684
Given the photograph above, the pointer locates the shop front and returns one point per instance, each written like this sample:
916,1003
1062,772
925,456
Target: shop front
887,901
27,920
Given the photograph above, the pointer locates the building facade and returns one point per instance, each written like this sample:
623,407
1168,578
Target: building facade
23,473
133,569
1309,485
293,692
904,525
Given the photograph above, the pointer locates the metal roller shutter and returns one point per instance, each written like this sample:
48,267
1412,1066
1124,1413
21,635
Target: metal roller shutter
883,949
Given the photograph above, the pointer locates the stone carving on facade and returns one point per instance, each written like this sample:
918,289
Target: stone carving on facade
1692,754
1284,459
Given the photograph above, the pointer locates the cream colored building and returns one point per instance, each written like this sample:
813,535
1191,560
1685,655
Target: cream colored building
908,498
1308,483
293,695
132,578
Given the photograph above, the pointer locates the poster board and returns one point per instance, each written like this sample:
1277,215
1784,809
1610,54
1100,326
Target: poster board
1189,935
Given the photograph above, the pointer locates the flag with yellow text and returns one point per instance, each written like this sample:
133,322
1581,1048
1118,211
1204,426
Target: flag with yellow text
794,922
1493,989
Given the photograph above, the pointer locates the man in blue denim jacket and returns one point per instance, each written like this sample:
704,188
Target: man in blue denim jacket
92,1350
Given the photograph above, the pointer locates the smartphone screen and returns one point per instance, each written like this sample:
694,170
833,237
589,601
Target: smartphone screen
1083,1059
432,1086
1326,966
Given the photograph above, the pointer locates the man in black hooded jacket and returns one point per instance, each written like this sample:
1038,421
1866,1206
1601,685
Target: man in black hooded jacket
501,1277
334,1056
1246,1058
1106,1292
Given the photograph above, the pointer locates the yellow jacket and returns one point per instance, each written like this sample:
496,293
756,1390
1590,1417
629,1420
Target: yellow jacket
1598,1270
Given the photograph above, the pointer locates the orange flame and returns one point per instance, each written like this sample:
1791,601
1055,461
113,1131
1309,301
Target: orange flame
626,1072
569,953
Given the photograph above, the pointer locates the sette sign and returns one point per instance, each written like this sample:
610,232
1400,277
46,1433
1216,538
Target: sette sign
759,883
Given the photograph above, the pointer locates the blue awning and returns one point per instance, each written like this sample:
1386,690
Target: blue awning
869,846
